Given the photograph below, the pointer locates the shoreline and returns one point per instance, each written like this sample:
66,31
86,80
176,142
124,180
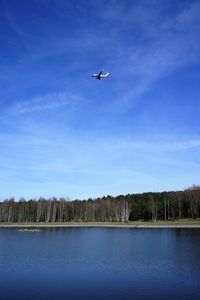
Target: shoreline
159,224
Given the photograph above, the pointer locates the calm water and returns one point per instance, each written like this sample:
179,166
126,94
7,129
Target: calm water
100,263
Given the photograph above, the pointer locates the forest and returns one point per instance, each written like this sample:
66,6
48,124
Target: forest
152,206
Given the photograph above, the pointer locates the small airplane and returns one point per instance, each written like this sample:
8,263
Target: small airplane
99,76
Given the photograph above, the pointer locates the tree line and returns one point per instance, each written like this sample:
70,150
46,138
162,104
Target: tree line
122,208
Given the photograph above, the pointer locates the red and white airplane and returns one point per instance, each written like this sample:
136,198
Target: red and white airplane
100,75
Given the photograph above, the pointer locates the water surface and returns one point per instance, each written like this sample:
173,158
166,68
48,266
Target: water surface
100,263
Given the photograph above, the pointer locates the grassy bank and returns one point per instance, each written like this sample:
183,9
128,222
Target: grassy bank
161,224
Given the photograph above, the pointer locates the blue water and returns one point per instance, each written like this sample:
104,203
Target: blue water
100,263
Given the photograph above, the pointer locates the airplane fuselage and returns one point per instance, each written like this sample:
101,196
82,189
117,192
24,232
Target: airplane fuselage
100,76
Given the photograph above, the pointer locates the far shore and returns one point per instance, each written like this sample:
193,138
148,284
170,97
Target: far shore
184,223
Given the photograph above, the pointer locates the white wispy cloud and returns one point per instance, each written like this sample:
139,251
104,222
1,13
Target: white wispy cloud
165,144
144,45
44,160
45,102
166,45
60,150
55,150
11,20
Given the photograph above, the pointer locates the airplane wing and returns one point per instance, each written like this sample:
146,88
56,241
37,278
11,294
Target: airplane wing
99,75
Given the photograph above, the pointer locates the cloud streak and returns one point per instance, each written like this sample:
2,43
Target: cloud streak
62,131
50,159
45,102
166,46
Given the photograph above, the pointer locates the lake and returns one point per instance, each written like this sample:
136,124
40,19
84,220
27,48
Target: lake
100,263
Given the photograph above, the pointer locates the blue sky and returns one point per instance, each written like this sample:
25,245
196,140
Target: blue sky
65,134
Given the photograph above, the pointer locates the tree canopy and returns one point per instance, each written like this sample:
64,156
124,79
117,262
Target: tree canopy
122,208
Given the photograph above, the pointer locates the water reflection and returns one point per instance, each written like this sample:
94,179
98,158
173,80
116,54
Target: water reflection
100,263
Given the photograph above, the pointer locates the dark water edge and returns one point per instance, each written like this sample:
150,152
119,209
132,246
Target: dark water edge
99,263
